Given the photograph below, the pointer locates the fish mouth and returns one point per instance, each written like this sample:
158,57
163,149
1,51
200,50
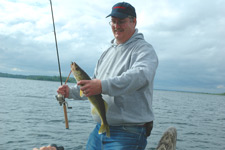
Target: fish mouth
73,67
73,63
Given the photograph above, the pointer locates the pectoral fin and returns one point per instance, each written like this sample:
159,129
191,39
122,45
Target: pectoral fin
81,93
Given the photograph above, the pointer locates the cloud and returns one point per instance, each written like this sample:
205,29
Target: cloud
17,69
187,36
220,87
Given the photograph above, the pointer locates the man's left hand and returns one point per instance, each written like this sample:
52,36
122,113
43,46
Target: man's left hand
90,87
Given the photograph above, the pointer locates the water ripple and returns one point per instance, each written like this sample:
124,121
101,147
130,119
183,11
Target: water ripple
29,119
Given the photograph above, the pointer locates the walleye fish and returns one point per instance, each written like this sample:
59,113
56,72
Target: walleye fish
100,106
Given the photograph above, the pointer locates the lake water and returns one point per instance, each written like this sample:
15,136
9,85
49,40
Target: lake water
31,117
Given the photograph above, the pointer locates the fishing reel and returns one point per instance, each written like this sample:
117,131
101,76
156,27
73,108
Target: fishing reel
61,99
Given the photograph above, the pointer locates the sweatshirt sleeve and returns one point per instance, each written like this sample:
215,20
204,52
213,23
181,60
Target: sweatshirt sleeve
141,73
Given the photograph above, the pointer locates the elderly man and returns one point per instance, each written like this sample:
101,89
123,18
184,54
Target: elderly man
124,76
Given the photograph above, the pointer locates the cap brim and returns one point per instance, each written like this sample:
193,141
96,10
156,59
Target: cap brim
118,15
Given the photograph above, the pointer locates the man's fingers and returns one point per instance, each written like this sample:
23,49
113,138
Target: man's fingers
83,82
90,87
63,90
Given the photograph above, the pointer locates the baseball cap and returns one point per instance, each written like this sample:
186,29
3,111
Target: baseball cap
122,10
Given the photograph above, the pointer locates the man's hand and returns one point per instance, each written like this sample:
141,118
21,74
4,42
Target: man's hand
50,147
63,90
90,87
45,148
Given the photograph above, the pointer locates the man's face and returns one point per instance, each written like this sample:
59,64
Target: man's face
122,29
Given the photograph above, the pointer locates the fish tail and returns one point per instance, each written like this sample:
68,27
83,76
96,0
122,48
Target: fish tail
104,128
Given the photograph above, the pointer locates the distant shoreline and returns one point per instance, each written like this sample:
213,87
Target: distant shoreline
57,79
37,77
223,94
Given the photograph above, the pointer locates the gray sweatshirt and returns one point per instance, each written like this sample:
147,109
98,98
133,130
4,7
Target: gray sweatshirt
126,72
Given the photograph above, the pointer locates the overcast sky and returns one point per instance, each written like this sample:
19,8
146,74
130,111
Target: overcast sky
188,37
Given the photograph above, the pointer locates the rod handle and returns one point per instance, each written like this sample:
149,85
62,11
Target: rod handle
65,116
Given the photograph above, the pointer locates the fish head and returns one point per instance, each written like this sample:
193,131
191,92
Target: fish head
77,71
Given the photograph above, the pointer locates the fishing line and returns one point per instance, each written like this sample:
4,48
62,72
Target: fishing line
56,44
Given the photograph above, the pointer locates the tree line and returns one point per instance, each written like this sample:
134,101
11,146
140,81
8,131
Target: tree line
37,77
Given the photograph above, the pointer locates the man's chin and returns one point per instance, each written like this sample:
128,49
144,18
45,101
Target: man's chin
118,34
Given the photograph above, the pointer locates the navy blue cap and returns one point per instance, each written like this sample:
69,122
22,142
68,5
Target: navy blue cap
122,10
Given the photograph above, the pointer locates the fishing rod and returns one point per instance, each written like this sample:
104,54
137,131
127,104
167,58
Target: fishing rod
59,97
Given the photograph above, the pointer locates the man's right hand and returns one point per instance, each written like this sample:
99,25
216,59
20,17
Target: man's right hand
64,90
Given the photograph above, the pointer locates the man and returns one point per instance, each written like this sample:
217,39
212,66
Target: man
124,76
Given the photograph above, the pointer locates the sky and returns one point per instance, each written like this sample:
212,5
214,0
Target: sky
188,37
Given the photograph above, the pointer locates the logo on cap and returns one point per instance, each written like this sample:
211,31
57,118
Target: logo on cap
119,7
